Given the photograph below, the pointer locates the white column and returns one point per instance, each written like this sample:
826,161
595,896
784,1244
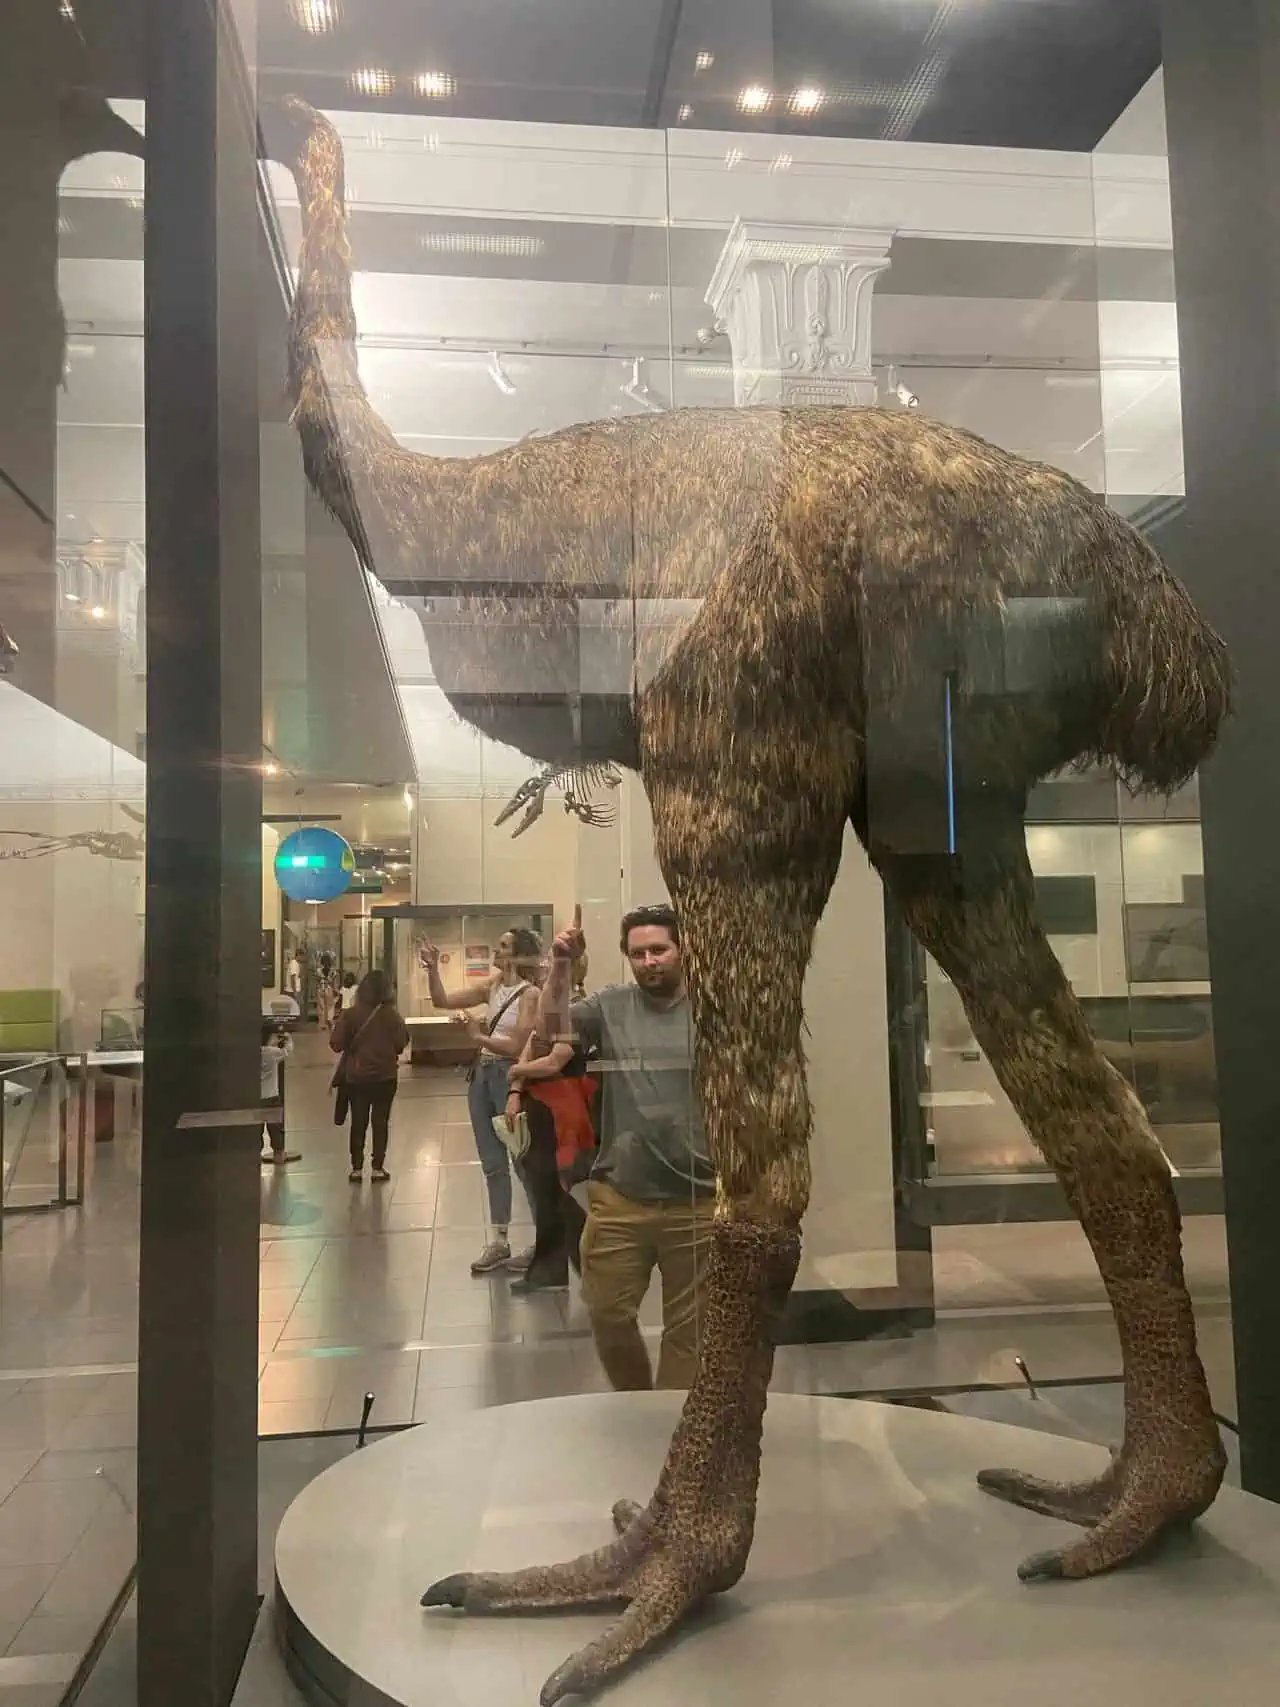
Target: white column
796,303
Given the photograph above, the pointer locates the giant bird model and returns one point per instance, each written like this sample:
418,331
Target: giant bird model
813,570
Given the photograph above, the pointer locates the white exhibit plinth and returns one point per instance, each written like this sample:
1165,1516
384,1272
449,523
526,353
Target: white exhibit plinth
881,1574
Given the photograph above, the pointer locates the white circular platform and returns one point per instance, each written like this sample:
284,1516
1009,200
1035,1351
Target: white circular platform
880,1573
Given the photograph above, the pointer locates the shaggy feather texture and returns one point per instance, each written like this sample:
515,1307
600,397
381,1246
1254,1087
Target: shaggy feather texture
785,589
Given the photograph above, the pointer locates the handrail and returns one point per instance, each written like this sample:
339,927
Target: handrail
21,1062
12,1064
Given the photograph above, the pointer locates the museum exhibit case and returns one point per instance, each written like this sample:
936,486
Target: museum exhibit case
785,575
759,457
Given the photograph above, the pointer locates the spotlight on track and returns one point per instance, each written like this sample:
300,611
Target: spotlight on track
637,388
499,375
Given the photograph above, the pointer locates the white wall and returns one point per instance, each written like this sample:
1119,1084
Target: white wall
72,919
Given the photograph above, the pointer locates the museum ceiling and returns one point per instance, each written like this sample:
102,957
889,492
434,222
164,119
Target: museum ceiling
1012,73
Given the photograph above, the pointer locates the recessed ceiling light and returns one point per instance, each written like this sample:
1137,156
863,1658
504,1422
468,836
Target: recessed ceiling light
98,612
435,85
685,113
807,99
317,17
755,98
705,61
518,244
372,80
72,598
271,768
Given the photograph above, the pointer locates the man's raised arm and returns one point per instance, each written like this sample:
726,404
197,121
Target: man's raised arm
554,1024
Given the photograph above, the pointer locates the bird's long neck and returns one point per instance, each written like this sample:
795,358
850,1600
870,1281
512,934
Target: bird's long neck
532,528
395,506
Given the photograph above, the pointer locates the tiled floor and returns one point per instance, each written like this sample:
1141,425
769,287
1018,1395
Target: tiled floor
367,1289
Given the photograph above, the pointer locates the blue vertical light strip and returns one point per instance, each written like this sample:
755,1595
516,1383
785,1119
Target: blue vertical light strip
951,774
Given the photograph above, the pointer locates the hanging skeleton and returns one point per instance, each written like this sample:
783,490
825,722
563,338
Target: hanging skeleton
577,783
107,844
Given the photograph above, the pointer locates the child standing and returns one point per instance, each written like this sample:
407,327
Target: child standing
277,1046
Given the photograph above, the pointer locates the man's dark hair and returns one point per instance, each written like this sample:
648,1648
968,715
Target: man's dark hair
663,915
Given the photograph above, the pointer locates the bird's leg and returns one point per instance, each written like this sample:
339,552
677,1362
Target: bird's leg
1092,1130
693,1538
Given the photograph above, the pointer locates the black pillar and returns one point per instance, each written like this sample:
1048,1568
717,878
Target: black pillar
1222,80
197,1493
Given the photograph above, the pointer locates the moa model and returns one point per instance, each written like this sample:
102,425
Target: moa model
823,567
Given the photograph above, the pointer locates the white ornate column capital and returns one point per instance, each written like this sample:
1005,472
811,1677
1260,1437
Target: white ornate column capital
796,303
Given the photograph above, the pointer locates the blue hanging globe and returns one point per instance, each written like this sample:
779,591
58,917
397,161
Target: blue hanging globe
314,865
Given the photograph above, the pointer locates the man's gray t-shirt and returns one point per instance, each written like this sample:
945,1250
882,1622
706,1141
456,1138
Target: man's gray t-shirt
652,1145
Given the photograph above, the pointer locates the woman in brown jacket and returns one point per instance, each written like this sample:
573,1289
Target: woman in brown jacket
370,1036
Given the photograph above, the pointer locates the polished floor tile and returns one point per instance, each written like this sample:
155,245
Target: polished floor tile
366,1289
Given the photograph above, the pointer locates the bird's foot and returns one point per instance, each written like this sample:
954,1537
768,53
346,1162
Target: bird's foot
1144,1494
693,1539
659,1568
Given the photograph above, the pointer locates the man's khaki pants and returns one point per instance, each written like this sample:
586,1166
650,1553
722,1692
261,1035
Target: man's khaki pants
622,1242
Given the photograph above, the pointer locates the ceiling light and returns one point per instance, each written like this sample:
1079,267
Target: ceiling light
98,613
435,85
807,99
906,398
686,113
755,98
72,598
271,768
499,375
372,80
67,10
317,17
705,61
481,243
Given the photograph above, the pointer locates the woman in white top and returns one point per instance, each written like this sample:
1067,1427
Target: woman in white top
510,999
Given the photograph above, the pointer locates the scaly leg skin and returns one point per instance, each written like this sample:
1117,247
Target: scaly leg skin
1172,1463
693,1539
1092,1129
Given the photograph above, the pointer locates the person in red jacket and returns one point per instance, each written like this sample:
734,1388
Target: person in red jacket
551,1087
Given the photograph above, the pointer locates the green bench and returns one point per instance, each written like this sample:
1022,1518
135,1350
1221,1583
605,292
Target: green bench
29,1022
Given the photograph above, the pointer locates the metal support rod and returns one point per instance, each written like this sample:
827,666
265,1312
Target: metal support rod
82,1123
364,1421
58,1073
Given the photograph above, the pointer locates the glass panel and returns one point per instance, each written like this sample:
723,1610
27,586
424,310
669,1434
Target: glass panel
72,799
630,289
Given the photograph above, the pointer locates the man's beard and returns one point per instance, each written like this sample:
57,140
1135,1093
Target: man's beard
660,980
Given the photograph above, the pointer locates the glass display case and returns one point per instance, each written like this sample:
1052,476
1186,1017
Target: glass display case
696,481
